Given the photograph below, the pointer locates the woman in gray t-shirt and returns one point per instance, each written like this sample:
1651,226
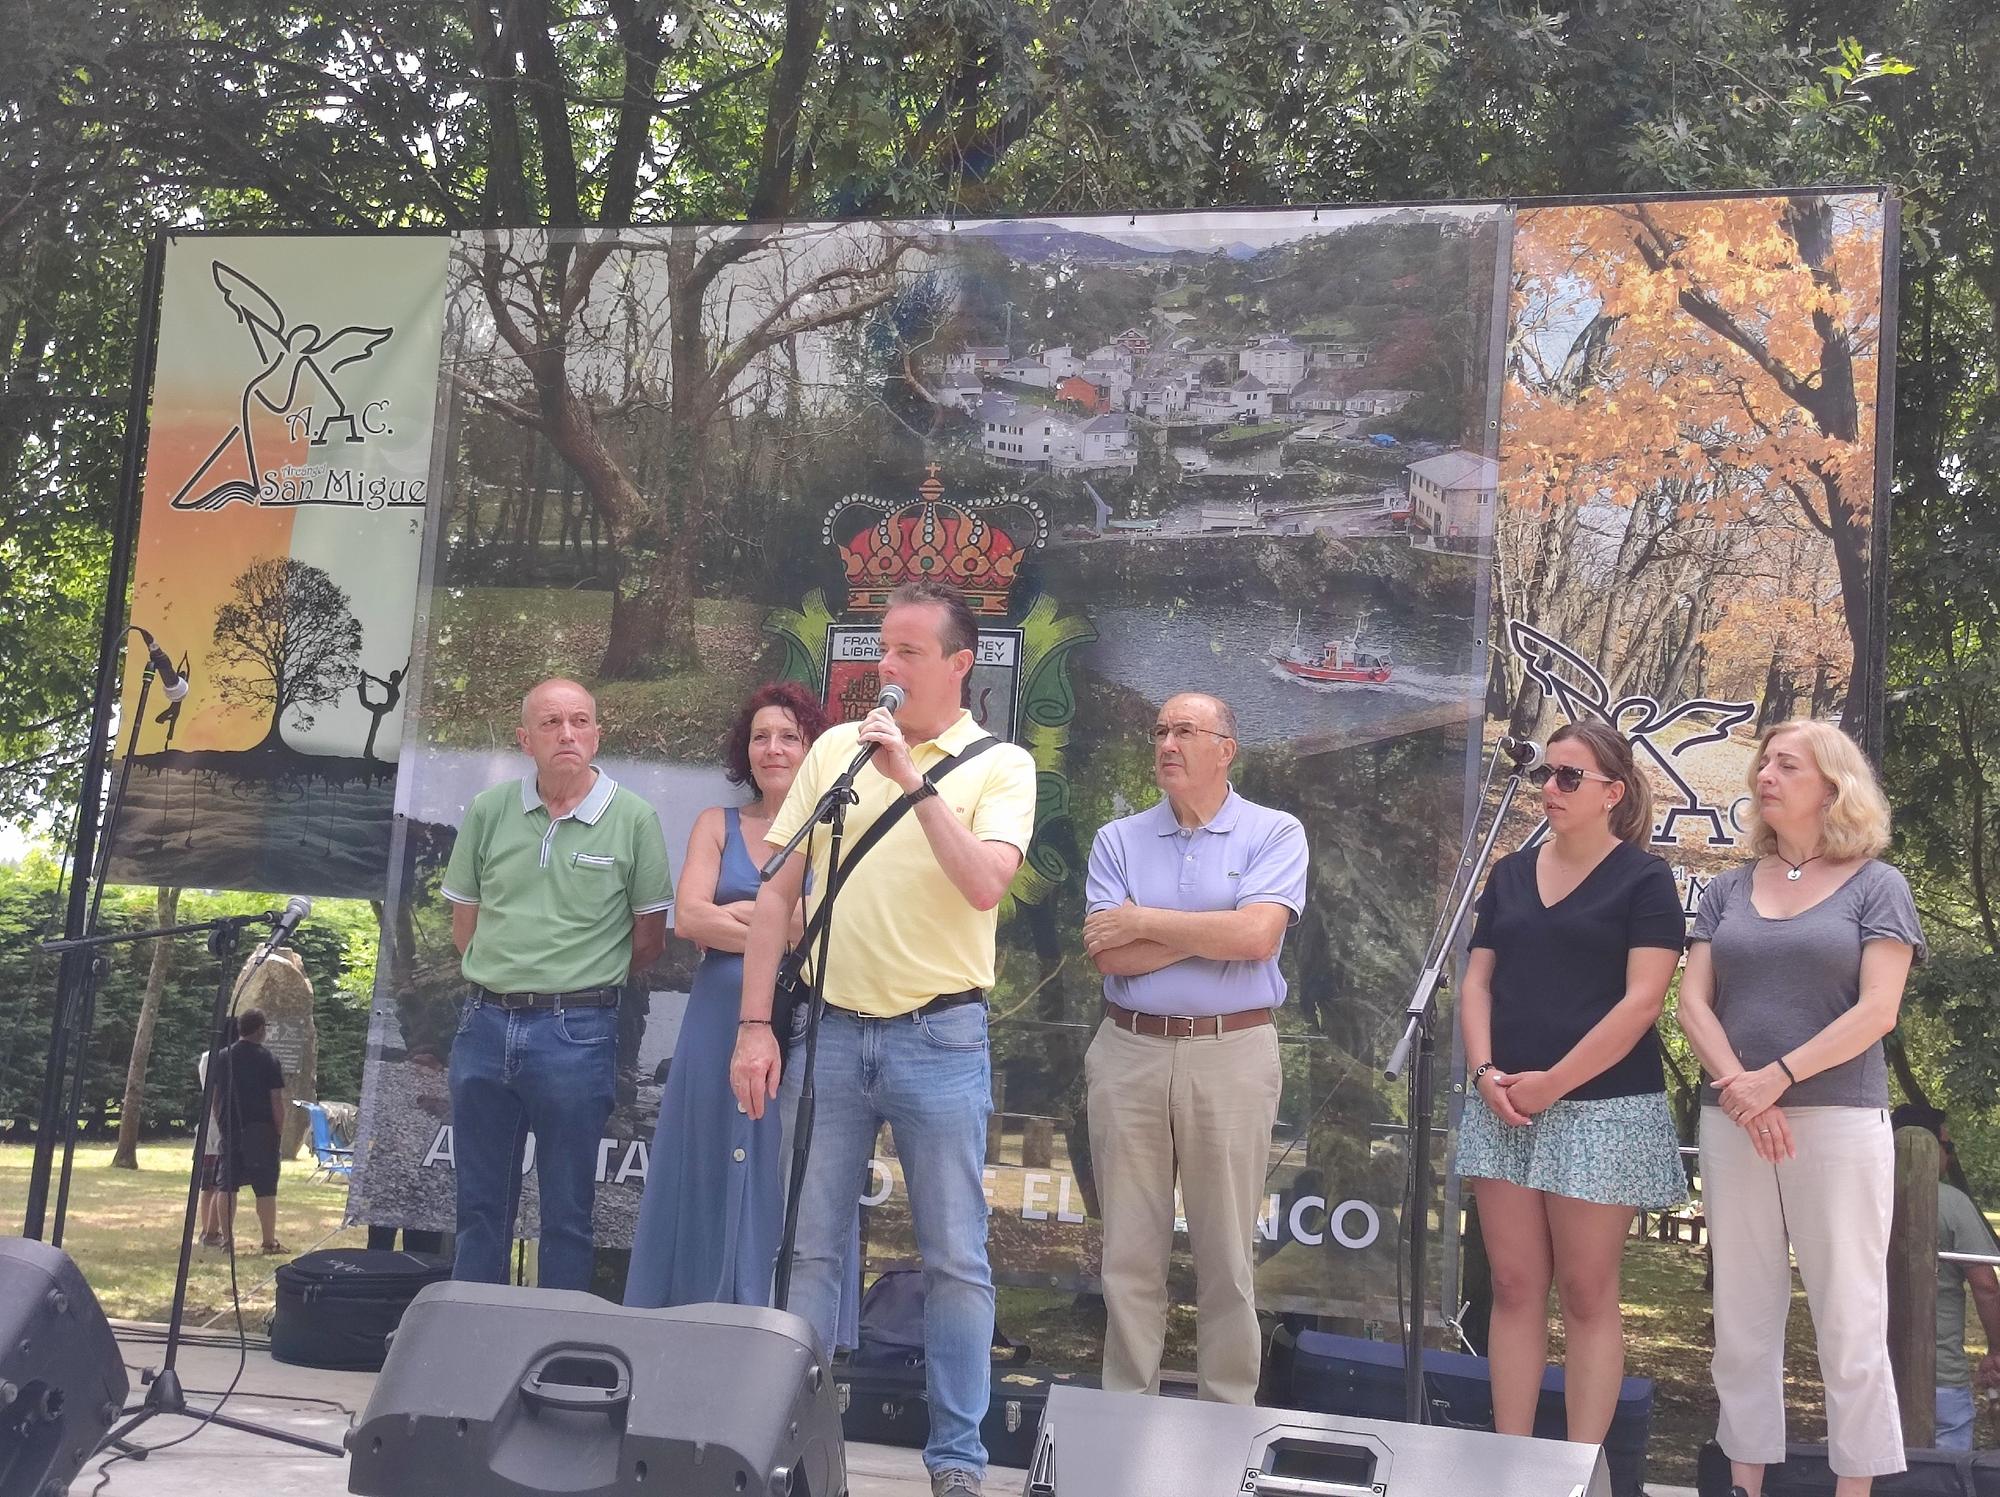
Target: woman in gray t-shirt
1794,974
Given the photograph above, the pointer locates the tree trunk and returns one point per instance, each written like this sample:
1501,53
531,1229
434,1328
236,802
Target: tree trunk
166,903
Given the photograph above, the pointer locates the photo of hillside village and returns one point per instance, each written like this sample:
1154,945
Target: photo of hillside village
1330,380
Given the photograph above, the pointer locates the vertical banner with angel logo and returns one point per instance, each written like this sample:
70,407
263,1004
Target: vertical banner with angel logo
281,527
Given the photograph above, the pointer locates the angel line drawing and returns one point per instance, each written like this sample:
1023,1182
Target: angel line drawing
1580,690
292,356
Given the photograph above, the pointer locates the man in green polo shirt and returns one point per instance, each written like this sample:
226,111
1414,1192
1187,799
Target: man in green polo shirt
559,892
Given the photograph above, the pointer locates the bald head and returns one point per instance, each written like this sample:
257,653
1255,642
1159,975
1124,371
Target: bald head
561,686
559,732
1218,714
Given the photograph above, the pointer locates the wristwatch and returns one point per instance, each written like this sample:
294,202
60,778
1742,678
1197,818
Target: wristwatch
922,793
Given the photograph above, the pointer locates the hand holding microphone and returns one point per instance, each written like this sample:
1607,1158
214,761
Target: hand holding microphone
879,730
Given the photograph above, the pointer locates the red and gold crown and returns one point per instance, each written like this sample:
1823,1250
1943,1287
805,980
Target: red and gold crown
932,538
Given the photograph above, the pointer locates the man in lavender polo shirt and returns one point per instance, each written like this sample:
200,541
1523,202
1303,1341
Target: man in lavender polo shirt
1188,904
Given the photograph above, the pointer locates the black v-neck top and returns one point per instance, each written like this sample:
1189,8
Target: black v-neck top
1558,970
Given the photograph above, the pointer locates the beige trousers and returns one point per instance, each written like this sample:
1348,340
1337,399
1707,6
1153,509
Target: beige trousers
1203,1110
1831,1205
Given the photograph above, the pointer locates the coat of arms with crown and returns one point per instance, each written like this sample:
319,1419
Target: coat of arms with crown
1020,674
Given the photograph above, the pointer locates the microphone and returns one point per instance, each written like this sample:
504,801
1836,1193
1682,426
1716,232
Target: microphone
892,697
1525,752
296,909
171,680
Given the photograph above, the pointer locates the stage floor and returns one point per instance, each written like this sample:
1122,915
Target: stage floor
307,1401
221,1461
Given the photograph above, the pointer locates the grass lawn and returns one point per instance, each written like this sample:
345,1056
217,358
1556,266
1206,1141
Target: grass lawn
123,1231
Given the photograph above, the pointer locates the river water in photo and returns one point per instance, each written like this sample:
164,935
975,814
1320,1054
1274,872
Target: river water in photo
1224,647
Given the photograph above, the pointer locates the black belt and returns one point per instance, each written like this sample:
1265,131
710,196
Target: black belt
953,1000
581,998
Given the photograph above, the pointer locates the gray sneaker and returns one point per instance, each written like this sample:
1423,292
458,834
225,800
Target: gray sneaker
954,1482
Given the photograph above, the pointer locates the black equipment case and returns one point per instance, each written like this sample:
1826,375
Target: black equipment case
338,1308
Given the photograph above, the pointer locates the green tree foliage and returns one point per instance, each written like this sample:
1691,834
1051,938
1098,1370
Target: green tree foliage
115,118
338,945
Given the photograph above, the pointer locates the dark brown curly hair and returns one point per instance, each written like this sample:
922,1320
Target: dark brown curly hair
790,695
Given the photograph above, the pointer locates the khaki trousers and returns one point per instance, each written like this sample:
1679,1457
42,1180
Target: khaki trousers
1831,1205
1201,1109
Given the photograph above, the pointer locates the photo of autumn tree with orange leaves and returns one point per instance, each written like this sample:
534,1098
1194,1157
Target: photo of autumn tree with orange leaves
1688,473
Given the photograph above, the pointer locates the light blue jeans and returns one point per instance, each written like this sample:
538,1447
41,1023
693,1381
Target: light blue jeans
1954,1418
928,1078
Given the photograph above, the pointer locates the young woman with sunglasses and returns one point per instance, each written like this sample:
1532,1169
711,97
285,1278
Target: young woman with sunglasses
1569,1131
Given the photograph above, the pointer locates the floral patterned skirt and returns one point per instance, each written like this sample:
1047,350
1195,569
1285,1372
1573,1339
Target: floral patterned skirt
1615,1151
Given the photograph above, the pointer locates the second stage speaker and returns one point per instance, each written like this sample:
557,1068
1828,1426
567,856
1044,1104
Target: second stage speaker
1097,1444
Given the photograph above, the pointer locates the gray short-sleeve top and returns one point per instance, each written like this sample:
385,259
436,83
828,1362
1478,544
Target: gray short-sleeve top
1780,982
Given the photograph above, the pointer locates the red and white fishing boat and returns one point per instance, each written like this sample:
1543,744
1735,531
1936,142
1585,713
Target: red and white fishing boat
1338,660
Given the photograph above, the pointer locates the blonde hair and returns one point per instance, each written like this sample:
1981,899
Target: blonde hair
1856,822
1632,817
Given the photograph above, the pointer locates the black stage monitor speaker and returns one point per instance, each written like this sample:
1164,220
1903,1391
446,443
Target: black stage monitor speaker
1097,1444
61,1378
505,1392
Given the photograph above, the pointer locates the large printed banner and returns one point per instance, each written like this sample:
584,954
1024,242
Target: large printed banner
281,529
1390,481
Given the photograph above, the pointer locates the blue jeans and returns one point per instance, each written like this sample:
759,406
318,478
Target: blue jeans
1954,1418
547,1072
928,1078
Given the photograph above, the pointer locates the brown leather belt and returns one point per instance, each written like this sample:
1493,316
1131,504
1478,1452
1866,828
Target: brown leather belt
1181,1026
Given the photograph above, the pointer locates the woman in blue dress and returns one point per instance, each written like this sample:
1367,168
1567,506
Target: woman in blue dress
714,1205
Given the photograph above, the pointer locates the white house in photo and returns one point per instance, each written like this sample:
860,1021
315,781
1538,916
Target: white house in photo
1452,497
976,360
1027,371
1062,361
1377,402
1102,444
1318,394
1158,397
962,391
1111,370
1017,433
1275,360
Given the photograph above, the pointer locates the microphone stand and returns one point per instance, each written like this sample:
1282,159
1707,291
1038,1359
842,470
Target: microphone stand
1418,1033
164,1394
832,810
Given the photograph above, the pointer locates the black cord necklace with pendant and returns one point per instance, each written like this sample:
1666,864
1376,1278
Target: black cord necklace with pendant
1797,868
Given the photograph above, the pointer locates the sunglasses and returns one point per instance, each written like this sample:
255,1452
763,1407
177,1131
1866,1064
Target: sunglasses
1569,778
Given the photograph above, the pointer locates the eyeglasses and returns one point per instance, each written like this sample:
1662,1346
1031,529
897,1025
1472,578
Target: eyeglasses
1181,732
1569,778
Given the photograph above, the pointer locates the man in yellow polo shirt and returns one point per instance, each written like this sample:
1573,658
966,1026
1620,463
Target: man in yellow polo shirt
903,1040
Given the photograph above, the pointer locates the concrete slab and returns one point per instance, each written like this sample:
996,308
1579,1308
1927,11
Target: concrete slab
220,1462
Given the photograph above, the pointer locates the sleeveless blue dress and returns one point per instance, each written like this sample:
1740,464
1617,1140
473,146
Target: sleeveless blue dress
714,1207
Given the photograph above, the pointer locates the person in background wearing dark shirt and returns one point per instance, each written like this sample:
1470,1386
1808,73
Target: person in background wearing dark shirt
1569,1131
250,1101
